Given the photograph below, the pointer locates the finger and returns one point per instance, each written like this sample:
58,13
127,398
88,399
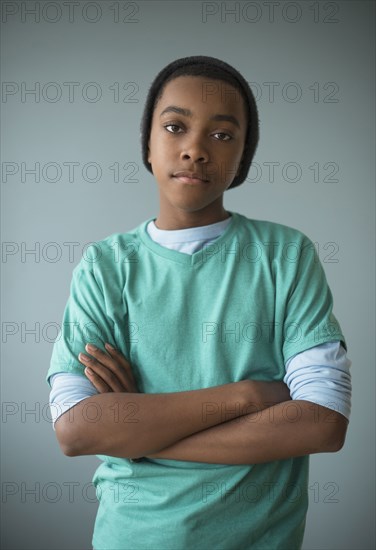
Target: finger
119,357
97,381
125,367
116,363
120,373
107,376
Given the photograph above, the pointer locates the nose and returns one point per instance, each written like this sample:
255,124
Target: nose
194,151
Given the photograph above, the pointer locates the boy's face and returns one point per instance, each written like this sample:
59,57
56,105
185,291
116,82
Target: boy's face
199,127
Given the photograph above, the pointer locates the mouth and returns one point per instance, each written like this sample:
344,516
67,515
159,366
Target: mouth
189,177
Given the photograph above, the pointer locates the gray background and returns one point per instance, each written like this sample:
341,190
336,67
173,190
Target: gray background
320,57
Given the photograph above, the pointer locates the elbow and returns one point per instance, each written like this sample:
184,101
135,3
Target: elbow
334,445
69,443
336,437
338,442
68,451
75,439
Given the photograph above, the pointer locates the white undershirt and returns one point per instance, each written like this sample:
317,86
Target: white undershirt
320,374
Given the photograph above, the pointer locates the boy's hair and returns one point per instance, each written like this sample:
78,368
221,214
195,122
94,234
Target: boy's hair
214,69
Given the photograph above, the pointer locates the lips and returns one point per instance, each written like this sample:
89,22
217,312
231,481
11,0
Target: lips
189,177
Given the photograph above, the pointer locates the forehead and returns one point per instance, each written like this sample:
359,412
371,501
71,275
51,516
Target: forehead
200,94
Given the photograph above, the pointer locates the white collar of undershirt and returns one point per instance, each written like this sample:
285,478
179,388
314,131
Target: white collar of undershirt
188,240
190,234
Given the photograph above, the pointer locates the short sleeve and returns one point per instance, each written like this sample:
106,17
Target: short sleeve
309,319
84,321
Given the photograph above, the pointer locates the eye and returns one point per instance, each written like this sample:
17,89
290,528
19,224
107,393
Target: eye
172,126
175,130
227,136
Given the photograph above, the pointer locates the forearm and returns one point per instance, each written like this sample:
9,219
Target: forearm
289,429
134,424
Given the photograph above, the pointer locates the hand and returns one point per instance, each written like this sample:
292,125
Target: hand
108,373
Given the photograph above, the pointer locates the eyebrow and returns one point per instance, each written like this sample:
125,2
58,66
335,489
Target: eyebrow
187,112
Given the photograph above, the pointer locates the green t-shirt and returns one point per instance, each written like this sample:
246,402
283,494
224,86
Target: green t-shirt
236,309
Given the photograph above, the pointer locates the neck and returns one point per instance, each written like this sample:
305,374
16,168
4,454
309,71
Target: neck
181,219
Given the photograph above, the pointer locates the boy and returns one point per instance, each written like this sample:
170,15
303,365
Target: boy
227,366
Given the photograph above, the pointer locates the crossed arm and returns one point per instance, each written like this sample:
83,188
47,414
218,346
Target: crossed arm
243,422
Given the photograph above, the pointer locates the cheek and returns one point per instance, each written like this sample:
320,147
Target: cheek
157,142
236,157
163,150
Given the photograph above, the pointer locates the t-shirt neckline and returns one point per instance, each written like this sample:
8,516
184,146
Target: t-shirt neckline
204,254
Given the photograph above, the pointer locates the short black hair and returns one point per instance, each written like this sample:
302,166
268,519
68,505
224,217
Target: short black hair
215,69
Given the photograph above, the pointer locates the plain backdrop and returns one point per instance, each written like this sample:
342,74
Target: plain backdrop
74,79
